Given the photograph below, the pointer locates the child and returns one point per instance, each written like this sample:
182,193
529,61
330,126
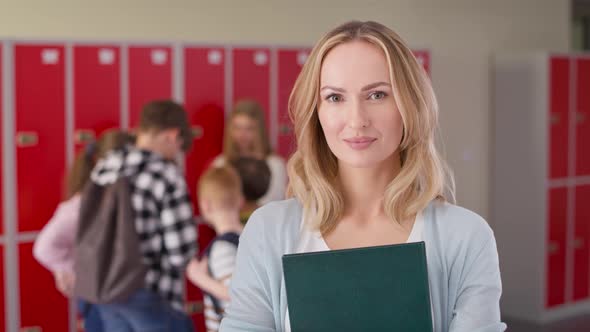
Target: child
255,176
55,244
163,219
220,200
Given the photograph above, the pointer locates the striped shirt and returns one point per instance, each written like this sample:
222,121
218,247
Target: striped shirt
222,260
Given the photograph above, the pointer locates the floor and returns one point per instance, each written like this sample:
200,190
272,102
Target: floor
579,324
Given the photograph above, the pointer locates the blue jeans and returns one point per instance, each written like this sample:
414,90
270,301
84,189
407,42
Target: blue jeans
92,320
144,311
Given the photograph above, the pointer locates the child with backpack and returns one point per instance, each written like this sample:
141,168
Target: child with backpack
54,246
220,200
137,231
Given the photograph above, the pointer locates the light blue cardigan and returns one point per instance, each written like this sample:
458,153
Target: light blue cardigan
462,261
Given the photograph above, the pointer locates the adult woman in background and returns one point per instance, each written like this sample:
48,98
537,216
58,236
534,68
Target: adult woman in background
246,136
367,173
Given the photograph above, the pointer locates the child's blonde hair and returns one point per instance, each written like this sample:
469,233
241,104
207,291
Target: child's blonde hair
222,186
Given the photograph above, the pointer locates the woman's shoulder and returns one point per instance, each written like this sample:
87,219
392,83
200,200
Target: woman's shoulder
275,160
277,221
456,224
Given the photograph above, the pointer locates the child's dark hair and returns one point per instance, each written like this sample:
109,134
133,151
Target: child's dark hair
161,115
255,176
86,159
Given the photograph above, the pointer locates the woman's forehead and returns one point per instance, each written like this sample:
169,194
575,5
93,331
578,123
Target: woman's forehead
356,63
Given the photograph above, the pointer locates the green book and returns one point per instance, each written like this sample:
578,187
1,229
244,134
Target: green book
381,288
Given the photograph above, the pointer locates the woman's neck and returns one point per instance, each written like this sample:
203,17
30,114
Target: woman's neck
363,188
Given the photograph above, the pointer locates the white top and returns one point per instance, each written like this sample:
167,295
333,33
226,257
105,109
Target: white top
278,178
312,241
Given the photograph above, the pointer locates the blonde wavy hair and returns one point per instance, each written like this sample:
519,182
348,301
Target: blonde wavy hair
313,168
253,110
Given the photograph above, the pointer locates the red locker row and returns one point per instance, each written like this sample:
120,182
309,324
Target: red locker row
569,77
568,203
65,94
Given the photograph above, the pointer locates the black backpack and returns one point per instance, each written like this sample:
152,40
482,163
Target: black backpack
108,260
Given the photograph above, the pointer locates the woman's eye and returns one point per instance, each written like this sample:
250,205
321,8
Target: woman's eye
334,98
377,95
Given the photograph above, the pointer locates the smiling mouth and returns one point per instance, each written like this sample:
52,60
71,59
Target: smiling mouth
360,143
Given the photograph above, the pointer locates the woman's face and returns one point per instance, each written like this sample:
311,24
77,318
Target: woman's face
357,111
244,132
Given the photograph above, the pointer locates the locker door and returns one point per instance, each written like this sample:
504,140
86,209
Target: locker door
150,77
96,91
559,87
423,58
556,246
41,305
1,154
40,132
2,299
582,114
290,64
582,243
251,79
204,99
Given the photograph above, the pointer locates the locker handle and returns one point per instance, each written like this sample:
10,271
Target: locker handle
555,118
84,136
194,307
27,139
580,117
31,329
285,129
197,132
553,247
578,243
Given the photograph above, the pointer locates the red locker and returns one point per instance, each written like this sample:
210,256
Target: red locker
582,114
556,246
424,58
251,79
204,99
204,91
2,311
41,304
559,78
582,243
97,91
290,64
150,77
1,151
40,131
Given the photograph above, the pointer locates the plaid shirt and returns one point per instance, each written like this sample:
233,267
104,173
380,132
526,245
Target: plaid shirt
163,216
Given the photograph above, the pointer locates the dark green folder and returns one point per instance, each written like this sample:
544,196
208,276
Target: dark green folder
381,289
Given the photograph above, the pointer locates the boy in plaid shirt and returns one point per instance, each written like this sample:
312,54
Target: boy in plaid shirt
163,219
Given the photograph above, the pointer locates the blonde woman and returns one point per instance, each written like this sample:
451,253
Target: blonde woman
245,136
366,172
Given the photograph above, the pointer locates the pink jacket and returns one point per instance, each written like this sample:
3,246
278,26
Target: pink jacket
54,247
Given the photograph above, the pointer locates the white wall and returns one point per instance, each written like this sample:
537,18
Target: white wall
461,34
